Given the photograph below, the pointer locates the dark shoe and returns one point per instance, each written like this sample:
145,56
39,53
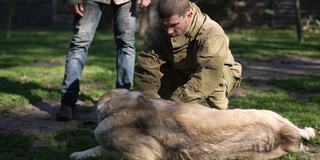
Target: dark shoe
75,113
65,113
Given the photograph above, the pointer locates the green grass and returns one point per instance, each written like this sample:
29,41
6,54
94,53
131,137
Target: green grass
32,67
264,43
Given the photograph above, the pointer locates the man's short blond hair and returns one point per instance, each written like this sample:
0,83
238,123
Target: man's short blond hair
168,8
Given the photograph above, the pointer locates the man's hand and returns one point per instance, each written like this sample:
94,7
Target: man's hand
77,9
168,101
143,3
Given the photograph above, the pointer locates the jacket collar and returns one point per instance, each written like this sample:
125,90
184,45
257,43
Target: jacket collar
196,22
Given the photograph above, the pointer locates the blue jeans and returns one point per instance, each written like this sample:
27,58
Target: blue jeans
84,28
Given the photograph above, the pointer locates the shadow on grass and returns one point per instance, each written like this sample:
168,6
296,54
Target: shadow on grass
60,145
14,146
23,89
31,91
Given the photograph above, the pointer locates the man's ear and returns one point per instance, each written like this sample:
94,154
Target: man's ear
189,13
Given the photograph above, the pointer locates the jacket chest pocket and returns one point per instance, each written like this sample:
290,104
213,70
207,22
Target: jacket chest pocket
185,58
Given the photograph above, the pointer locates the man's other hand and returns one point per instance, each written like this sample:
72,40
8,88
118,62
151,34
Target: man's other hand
168,101
77,9
143,3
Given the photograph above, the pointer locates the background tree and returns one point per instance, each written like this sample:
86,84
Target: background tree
298,22
11,10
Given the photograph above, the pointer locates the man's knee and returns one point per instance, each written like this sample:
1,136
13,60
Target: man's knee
218,99
221,104
232,76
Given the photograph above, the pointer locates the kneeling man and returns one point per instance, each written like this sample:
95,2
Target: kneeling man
187,58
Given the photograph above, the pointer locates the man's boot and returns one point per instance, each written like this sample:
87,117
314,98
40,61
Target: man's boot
66,111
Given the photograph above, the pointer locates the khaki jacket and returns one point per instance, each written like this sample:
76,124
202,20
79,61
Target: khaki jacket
200,54
117,2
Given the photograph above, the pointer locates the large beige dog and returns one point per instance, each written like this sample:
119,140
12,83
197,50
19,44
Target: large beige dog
134,127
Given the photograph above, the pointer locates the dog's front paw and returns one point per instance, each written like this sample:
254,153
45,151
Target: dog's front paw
78,155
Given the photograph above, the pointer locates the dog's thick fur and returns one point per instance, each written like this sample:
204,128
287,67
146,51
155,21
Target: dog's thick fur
137,128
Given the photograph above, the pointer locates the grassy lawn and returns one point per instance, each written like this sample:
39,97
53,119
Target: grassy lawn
32,67
273,43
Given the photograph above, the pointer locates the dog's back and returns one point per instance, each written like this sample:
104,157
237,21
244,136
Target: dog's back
202,133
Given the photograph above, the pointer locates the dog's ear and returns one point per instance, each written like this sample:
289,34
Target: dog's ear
142,100
103,100
145,101
107,97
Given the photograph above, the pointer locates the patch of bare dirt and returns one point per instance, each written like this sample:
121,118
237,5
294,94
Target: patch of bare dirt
39,118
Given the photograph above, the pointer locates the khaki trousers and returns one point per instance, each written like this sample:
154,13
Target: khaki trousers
219,97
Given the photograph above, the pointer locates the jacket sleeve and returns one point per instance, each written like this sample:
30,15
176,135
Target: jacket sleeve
71,2
147,71
209,75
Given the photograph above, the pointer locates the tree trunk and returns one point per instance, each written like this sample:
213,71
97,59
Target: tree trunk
298,22
10,18
54,11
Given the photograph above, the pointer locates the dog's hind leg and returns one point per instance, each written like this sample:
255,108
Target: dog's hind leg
92,152
307,132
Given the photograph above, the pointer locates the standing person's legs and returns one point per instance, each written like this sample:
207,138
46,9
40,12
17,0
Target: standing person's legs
83,29
124,34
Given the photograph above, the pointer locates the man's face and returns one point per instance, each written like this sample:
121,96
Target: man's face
176,25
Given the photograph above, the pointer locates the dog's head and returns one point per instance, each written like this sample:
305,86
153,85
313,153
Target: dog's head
119,99
116,100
